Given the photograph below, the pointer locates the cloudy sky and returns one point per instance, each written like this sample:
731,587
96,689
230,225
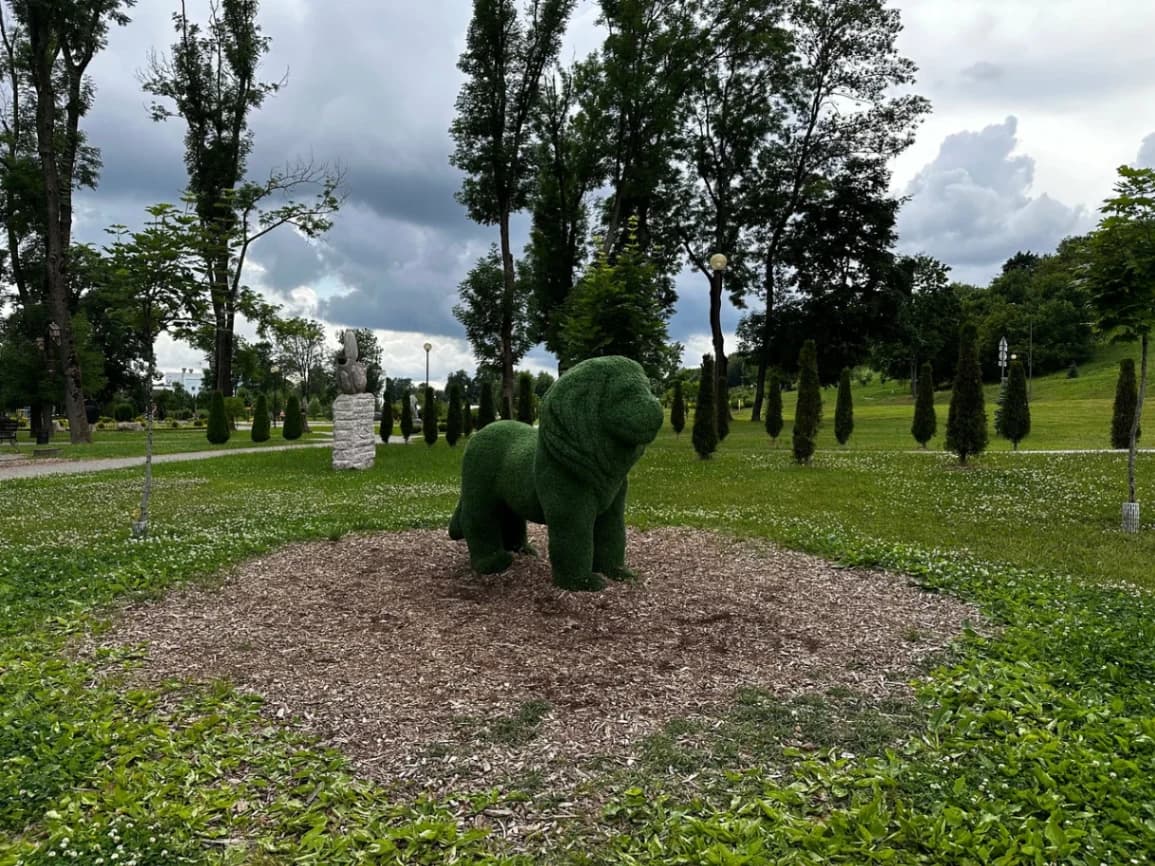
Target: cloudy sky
1035,104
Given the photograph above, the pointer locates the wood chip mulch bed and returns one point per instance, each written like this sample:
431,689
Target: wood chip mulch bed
392,650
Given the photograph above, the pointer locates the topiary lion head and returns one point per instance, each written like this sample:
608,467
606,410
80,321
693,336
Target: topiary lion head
598,418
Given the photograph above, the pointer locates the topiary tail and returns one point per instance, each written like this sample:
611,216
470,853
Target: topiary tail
455,524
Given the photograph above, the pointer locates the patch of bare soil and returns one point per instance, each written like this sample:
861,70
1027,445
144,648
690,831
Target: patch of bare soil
432,677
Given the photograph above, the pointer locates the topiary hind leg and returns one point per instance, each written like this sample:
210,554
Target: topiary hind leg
609,556
483,530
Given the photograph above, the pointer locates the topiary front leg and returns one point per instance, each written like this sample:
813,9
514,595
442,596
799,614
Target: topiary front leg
610,540
571,547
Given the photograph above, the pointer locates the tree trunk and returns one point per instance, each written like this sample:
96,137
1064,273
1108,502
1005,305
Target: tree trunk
57,231
1135,421
40,419
225,317
507,319
140,525
764,355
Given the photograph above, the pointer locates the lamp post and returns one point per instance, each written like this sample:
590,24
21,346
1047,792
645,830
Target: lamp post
428,346
718,263
275,370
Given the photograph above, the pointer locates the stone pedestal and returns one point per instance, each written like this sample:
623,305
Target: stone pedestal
354,445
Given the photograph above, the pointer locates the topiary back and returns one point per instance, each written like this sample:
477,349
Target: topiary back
705,433
218,428
844,409
925,423
678,409
261,419
293,422
808,413
453,416
429,417
774,406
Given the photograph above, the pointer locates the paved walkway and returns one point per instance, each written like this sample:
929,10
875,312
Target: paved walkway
35,469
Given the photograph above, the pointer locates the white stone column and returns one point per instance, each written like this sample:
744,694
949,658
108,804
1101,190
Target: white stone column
354,445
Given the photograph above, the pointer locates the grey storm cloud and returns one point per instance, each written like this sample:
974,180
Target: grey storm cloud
972,208
1146,158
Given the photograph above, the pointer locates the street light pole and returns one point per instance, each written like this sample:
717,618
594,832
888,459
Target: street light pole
275,370
428,346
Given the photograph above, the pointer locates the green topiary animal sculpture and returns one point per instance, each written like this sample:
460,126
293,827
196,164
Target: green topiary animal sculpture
568,473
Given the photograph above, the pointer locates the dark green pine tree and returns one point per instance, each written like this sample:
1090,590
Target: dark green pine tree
294,424
429,417
525,398
966,424
406,417
485,410
925,423
773,406
808,413
705,433
260,431
678,409
844,409
466,419
1126,399
1016,420
723,404
386,420
218,428
453,416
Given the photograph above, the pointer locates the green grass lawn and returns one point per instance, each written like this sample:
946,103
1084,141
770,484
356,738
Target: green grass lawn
166,440
1035,744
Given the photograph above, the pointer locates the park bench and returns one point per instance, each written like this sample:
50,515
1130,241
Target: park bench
8,430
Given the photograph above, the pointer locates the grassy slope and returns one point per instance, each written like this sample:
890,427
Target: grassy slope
166,440
1058,702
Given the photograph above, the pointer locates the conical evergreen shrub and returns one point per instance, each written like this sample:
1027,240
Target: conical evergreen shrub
260,431
466,419
406,417
966,424
386,420
774,406
678,409
925,423
808,413
429,417
525,398
844,409
1016,417
293,421
218,427
1126,399
453,416
705,432
486,412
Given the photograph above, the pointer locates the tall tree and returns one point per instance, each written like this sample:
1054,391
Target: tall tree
1015,422
728,116
1121,274
808,413
966,425
844,409
211,81
705,431
841,97
504,60
60,39
299,344
1123,409
925,421
484,309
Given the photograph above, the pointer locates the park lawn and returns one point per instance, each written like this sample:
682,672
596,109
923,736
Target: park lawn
1034,745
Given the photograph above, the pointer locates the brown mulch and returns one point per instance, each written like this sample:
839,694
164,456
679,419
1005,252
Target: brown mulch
393,651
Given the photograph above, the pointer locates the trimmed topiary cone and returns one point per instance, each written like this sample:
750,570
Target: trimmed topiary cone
925,423
453,416
386,420
486,413
1016,419
218,427
406,417
260,431
808,413
678,409
966,425
429,417
1126,399
293,422
774,422
844,409
525,398
705,433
